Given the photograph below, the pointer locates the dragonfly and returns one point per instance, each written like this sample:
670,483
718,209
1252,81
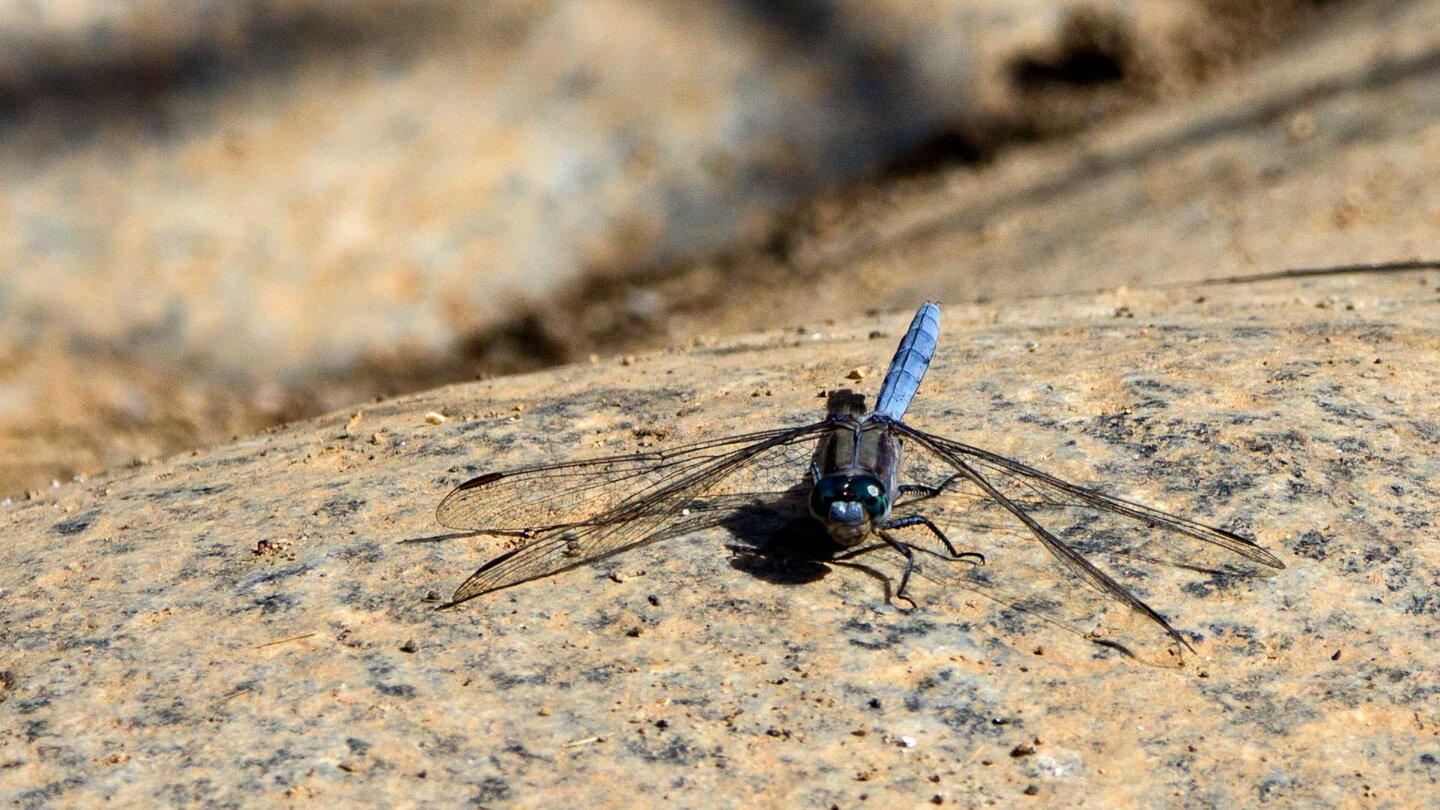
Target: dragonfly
874,483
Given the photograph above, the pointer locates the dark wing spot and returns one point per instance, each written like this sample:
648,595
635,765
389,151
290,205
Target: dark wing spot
480,481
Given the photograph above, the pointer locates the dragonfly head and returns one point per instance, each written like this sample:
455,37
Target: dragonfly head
849,505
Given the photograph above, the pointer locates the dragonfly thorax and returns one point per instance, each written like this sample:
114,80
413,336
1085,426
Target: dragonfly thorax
849,504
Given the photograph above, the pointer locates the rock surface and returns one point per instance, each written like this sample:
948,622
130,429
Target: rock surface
244,625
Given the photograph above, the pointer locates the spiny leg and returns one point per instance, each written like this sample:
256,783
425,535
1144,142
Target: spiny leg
921,520
926,490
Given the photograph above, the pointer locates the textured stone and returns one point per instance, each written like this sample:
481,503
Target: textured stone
244,625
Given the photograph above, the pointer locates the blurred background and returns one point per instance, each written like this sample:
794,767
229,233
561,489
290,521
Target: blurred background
218,216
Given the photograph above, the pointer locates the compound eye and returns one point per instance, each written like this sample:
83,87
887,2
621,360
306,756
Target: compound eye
827,490
872,496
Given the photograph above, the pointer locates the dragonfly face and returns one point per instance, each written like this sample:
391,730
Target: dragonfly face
849,505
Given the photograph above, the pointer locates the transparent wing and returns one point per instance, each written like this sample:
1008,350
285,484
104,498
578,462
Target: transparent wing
568,494
671,493
1087,543
907,367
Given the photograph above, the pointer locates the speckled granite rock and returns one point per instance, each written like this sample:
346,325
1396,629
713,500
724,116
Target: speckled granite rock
243,625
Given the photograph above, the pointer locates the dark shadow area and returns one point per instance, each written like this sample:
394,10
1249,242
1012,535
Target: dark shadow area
527,341
794,554
266,47
782,549
952,147
441,538
1096,47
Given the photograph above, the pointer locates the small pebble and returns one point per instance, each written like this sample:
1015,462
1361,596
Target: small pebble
434,418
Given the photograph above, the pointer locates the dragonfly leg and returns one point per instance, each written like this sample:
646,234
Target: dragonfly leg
853,553
903,548
921,520
856,552
927,491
